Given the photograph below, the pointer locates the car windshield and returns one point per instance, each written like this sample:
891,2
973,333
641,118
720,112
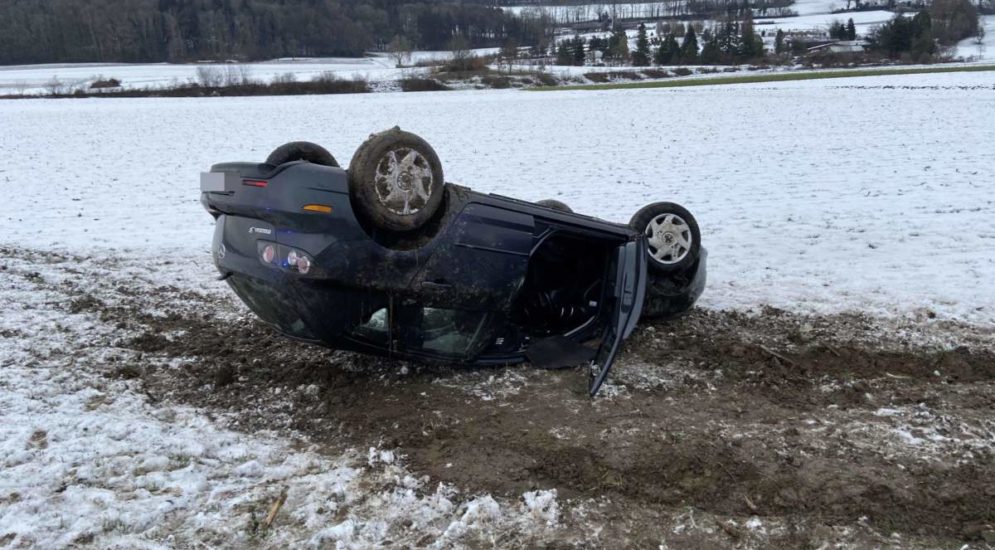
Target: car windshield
438,331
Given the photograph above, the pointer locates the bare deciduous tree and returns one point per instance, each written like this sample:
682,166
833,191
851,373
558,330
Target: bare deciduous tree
400,50
209,76
285,78
508,54
55,86
232,75
460,50
245,73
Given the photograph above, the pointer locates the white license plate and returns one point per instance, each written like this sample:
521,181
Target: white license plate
212,182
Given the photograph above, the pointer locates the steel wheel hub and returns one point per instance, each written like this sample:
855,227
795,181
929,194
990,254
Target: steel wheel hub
669,238
403,181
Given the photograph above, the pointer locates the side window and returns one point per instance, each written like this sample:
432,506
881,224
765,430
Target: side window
376,329
451,332
416,328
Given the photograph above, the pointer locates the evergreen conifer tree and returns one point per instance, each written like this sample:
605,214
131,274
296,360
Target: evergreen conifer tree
577,48
689,49
751,46
641,57
837,31
710,54
728,41
619,46
668,51
564,55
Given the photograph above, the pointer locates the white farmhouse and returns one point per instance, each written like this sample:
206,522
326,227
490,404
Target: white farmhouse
840,46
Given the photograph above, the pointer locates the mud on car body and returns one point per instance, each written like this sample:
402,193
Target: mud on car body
386,258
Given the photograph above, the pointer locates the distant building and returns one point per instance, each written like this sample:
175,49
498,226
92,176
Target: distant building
839,46
804,36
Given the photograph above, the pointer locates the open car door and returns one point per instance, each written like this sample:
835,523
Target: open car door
626,291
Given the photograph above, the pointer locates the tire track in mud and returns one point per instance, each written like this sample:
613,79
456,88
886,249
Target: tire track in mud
833,428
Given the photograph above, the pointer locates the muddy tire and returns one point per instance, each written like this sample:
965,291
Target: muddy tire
672,235
396,180
665,299
301,150
555,205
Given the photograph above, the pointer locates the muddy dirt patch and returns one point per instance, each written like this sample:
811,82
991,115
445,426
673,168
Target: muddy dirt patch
722,428
730,415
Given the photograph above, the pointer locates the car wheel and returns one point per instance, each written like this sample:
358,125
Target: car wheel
301,150
396,180
555,205
672,235
665,299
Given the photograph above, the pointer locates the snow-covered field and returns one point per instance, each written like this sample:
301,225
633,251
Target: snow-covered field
812,14
826,198
864,21
970,48
33,79
380,70
36,79
870,195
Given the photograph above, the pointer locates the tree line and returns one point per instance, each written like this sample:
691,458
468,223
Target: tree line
726,42
46,31
920,37
732,41
577,12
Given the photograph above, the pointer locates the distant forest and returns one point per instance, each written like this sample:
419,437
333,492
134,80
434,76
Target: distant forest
48,31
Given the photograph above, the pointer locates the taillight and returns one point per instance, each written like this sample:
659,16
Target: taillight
285,258
298,261
303,264
269,252
255,183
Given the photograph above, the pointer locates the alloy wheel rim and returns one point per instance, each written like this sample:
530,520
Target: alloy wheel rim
669,238
403,181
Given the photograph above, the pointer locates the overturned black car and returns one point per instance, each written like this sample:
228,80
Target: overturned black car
386,258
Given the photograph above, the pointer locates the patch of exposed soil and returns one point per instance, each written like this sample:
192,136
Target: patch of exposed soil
819,429
719,412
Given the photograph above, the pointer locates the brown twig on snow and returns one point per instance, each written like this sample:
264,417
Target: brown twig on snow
275,508
778,356
150,395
